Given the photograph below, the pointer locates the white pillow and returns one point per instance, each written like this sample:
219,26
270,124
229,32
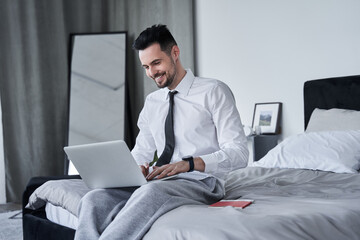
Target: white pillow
335,151
333,119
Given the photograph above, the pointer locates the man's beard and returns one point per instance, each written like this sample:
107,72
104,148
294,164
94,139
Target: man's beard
169,77
168,82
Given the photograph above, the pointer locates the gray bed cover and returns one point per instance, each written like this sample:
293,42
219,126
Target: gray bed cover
289,204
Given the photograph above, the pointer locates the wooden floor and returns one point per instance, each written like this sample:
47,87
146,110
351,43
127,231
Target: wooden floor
8,207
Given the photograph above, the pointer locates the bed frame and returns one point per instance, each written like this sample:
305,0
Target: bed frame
340,92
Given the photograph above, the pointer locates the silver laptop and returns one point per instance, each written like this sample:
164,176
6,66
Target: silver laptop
106,164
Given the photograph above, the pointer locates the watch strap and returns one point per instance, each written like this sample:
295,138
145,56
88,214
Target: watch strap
189,159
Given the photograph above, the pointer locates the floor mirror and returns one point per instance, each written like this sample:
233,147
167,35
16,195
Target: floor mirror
96,89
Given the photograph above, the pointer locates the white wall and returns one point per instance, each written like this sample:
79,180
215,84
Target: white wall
265,50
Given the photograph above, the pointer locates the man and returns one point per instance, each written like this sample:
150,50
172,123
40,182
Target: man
193,123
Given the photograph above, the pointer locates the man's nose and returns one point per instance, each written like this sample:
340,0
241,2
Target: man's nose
152,72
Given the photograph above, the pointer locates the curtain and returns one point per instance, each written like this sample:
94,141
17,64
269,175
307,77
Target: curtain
34,71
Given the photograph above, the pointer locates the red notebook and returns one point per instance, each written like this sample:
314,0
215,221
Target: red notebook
233,203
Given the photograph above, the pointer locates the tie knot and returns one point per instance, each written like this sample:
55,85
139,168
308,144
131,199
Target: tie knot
171,94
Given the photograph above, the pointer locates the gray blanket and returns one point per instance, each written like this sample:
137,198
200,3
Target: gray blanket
289,204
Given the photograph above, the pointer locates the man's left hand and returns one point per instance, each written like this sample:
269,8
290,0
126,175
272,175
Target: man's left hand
169,170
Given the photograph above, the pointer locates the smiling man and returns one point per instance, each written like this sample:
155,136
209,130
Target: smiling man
206,123
193,124
163,67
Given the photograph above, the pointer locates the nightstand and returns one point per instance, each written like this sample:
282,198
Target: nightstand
262,144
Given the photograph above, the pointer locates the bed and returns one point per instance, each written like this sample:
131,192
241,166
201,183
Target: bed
307,187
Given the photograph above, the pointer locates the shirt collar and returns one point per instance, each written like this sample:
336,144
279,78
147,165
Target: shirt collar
184,86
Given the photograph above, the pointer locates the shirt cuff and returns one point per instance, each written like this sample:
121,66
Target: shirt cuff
211,162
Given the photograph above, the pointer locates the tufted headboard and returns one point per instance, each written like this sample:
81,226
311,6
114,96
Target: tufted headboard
338,92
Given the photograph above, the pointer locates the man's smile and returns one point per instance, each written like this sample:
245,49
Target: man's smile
158,78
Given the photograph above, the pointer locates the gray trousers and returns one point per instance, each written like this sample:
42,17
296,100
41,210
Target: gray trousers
128,213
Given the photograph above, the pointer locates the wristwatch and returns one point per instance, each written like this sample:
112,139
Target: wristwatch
189,159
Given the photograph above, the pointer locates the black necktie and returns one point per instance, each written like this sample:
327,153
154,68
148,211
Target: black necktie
169,134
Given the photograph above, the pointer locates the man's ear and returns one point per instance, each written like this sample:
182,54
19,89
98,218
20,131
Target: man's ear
175,52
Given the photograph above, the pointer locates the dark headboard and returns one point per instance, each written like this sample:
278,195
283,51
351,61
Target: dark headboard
339,92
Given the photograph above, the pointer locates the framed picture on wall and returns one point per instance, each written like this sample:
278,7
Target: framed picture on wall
266,117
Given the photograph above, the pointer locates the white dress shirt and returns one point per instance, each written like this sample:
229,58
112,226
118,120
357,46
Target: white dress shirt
206,124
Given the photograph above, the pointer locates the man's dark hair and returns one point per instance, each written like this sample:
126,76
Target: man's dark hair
155,34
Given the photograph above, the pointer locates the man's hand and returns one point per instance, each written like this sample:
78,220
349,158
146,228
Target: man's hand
145,169
169,170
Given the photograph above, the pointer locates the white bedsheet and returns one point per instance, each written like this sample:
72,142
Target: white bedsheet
61,216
